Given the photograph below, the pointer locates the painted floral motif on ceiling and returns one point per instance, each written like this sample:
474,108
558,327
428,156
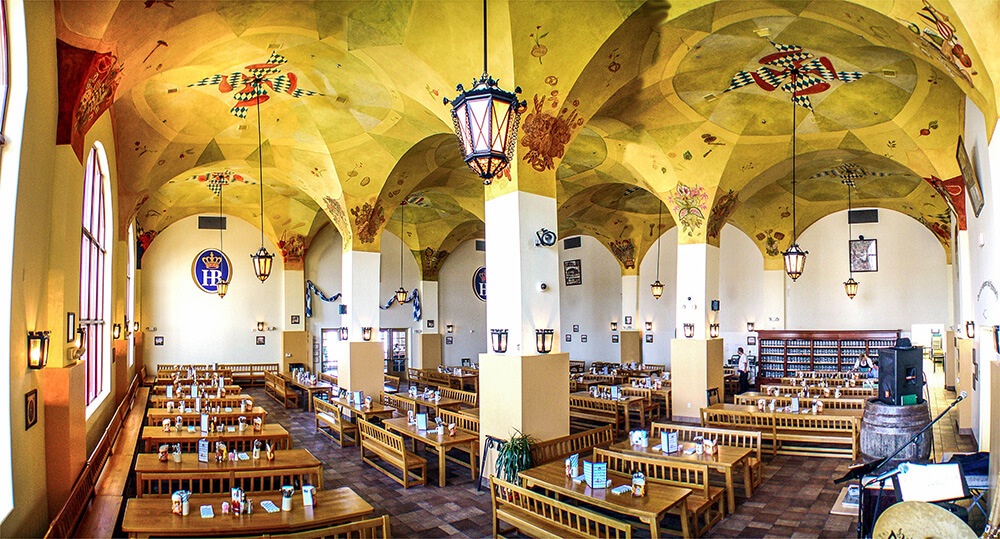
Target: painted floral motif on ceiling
809,75
430,263
215,181
293,249
336,212
368,220
721,211
545,136
771,237
689,206
624,251
253,91
88,81
953,192
939,33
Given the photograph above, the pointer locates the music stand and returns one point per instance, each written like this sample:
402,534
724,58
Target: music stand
931,482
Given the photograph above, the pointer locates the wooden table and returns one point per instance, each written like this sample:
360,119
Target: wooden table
624,403
462,379
829,403
368,414
160,401
440,442
418,401
650,509
153,437
155,416
151,516
471,412
827,412
725,459
311,389
149,470
185,391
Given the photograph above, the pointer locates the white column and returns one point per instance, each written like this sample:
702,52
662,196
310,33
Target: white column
697,286
360,366
429,307
630,303
295,286
517,270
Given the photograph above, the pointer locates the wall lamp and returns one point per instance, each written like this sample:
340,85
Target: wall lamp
543,340
614,326
450,328
343,333
499,340
750,326
38,349
970,329
135,327
688,330
116,331
713,330
366,333
649,325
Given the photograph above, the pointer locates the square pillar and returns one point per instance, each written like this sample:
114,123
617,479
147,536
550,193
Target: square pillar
630,343
968,408
65,430
361,369
294,300
426,351
695,366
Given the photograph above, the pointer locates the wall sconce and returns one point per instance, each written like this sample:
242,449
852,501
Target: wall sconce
116,331
996,339
689,330
366,333
970,329
261,326
713,331
450,328
649,326
81,334
543,340
614,326
38,349
135,327
750,326
499,340
343,333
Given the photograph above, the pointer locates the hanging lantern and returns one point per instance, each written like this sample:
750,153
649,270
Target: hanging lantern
221,288
486,120
795,261
689,330
366,333
750,326
499,339
851,287
657,286
401,295
543,340
38,349
657,289
262,263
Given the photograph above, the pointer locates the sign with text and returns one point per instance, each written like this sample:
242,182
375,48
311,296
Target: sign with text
479,283
210,267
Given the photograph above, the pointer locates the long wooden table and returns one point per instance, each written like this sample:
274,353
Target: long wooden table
650,509
418,401
851,392
160,401
625,403
145,517
827,412
440,442
377,409
199,477
155,416
311,389
829,403
185,391
725,459
153,437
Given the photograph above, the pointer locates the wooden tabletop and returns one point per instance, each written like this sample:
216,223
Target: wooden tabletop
185,391
283,458
659,498
156,416
431,437
154,435
443,402
724,457
827,412
624,400
471,412
320,385
152,516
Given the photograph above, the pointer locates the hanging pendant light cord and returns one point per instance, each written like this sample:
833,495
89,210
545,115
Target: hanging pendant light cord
485,71
221,228
402,243
659,212
260,169
793,163
849,232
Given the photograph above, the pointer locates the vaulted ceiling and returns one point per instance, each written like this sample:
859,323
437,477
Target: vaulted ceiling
630,104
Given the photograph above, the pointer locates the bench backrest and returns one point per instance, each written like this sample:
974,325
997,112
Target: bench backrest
593,405
467,397
402,405
748,439
377,436
637,392
731,419
828,403
675,473
391,381
814,423
326,377
564,446
575,520
462,421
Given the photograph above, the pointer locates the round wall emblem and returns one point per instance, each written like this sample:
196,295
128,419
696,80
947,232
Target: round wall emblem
209,267
479,283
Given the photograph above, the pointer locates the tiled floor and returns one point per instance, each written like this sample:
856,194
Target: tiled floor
793,501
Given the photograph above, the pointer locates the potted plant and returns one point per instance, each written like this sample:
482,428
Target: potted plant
513,456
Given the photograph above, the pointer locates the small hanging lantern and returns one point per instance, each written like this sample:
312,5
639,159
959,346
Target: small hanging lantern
499,339
38,349
795,261
262,263
851,287
657,289
970,329
543,340
221,288
401,295
614,326
116,331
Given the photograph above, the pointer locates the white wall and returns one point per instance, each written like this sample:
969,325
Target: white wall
747,293
910,286
396,316
458,305
593,304
322,267
198,327
661,311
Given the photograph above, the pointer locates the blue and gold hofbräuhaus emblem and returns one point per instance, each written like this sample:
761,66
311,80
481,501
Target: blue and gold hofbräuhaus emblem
209,268
479,283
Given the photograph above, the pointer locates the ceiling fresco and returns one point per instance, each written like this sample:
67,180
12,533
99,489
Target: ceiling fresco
630,105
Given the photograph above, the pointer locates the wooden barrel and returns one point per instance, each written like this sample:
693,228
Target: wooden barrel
885,428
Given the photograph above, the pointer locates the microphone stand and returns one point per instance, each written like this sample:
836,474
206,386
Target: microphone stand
862,470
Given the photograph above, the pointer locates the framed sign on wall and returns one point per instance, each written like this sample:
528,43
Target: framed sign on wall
864,255
572,272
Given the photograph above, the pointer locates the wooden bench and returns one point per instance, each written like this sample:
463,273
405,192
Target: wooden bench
650,407
251,374
469,399
331,416
390,448
564,446
586,413
461,421
731,438
828,403
816,435
576,366
537,515
277,388
705,503
233,401
401,405
390,383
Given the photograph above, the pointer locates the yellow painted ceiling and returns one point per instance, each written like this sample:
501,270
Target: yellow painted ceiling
629,104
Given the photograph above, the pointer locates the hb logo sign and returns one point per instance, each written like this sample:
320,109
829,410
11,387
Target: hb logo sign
209,268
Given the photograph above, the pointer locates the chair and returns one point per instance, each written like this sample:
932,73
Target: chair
713,393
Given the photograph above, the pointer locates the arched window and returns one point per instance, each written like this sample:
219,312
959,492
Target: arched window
94,274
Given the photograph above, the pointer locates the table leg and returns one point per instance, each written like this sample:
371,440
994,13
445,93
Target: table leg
654,527
441,460
747,477
685,520
730,490
628,424
472,458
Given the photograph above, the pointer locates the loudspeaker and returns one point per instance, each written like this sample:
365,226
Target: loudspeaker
900,375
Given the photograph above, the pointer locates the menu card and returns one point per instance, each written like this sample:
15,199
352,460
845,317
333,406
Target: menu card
795,405
615,392
668,441
421,421
203,450
170,392
204,423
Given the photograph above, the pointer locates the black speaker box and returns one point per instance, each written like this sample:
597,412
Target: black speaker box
900,373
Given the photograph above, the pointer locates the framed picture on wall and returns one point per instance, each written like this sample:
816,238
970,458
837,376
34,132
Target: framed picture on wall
569,337
158,340
296,319
260,340
864,255
449,340
576,328
583,338
30,408
614,338
628,320
572,272
752,340
972,184
430,323
649,337
70,327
